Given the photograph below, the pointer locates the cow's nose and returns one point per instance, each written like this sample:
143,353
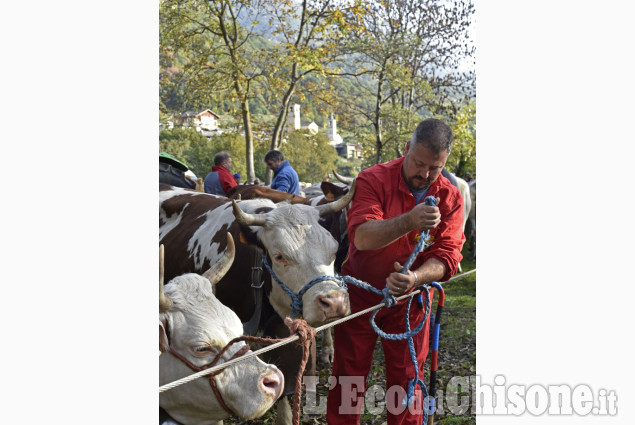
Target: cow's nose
272,384
333,305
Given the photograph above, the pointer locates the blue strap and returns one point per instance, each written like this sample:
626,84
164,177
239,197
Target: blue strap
296,299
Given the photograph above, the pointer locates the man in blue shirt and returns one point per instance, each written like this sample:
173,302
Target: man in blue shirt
285,179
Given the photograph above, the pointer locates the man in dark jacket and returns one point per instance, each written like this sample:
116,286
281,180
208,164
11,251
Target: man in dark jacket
220,179
285,179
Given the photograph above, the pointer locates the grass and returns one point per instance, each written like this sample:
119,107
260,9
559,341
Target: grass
457,358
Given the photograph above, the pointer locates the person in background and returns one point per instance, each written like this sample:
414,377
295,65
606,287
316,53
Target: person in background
386,218
220,179
285,179
174,172
237,178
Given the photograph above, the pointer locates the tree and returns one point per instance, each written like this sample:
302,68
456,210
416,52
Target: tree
309,33
413,51
463,156
310,155
216,53
177,142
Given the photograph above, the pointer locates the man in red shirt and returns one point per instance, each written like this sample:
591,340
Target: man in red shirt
384,223
220,180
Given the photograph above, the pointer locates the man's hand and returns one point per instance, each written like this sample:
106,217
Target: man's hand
424,217
399,283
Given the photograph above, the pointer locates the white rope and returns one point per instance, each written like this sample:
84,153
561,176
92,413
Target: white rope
289,340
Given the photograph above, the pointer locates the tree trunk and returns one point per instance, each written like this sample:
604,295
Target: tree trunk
249,141
282,118
377,120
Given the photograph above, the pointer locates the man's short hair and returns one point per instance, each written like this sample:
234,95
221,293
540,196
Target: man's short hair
221,157
274,155
433,134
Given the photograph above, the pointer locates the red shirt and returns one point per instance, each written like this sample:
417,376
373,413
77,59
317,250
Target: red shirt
226,178
382,193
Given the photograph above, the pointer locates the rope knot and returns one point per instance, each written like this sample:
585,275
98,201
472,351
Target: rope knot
301,328
389,300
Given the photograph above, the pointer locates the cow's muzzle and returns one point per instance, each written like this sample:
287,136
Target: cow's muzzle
333,305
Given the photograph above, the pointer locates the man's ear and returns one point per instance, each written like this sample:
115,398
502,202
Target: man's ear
407,148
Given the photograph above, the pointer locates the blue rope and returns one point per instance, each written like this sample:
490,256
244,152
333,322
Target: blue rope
409,334
296,299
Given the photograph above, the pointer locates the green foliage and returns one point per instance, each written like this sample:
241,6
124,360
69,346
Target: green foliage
177,142
198,152
261,147
348,167
273,62
463,156
310,155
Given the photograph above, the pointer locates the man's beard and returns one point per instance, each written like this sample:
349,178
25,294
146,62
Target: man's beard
417,183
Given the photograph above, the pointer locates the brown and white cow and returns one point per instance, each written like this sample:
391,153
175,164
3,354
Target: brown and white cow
193,227
194,327
243,192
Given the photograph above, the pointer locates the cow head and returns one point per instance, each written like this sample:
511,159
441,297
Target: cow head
196,326
300,250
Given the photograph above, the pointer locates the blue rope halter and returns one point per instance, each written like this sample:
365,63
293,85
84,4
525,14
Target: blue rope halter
296,299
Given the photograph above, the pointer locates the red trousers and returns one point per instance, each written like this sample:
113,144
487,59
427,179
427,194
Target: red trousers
354,345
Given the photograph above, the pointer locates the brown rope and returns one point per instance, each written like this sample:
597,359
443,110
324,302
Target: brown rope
297,327
305,335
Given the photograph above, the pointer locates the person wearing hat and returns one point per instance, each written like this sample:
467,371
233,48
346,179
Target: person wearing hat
237,178
174,172
220,180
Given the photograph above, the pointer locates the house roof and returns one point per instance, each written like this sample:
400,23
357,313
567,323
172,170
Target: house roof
208,112
190,114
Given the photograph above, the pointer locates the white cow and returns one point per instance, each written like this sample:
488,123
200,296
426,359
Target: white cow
471,233
194,327
464,188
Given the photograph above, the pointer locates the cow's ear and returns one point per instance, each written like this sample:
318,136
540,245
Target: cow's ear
164,345
327,190
243,238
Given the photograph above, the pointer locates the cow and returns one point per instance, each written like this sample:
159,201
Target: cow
194,326
470,232
328,193
464,188
193,227
254,191
335,223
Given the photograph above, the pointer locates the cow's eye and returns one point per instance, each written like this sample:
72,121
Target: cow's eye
204,349
279,259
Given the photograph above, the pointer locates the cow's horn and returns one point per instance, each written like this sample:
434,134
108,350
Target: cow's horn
248,219
164,301
343,179
337,205
220,268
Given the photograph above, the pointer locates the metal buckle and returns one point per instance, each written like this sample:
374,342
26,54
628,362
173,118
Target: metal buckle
262,282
